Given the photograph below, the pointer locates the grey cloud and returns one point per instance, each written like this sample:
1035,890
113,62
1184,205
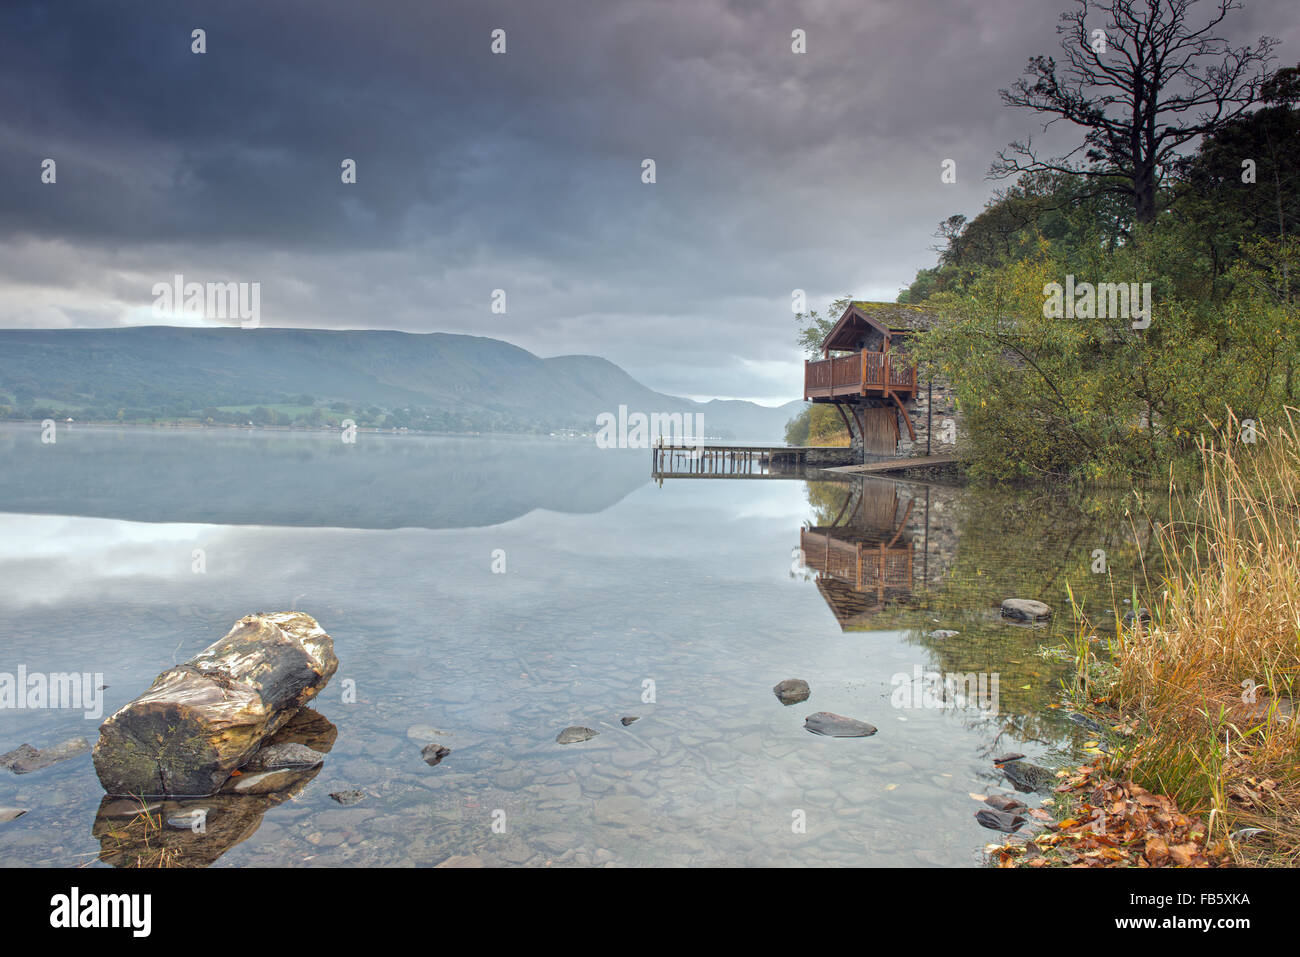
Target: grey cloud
521,172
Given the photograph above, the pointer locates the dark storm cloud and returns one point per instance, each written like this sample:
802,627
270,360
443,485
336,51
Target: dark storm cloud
521,172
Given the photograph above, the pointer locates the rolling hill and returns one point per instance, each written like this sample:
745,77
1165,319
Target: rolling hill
481,383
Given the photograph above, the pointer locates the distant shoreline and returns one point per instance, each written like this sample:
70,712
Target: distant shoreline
324,430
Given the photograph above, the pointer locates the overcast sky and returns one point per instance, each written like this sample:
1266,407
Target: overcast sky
519,171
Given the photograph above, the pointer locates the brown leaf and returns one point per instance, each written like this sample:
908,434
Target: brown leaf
1182,854
1156,851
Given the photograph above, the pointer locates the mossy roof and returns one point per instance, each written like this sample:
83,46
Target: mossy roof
897,316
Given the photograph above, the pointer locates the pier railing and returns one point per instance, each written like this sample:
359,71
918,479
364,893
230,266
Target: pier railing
678,460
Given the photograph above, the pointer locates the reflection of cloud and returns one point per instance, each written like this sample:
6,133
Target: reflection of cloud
45,558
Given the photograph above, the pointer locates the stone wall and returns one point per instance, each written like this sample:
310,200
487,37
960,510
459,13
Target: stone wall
934,408
828,457
936,418
933,529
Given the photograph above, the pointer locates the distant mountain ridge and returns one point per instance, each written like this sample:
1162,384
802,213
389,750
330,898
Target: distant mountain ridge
178,371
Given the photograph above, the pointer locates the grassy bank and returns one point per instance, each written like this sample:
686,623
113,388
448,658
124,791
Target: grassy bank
1208,684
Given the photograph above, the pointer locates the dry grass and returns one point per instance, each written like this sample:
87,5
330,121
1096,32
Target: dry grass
139,843
1211,678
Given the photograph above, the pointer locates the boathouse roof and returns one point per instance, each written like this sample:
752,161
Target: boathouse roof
889,318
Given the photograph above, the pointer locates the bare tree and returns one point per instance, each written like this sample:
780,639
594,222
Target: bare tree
1142,81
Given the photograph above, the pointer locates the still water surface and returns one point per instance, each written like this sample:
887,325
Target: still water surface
681,604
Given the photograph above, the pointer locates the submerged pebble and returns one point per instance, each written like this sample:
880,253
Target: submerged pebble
188,820
574,734
25,759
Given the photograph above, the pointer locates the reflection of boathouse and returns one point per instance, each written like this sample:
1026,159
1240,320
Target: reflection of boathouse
875,551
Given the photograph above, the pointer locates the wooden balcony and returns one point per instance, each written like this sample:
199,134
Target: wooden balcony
859,373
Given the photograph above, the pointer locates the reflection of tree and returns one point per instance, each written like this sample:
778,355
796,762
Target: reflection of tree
827,500
981,545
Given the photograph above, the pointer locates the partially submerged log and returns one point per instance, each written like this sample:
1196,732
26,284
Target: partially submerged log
202,720
163,837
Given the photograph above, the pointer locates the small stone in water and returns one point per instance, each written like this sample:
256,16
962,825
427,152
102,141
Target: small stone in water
1085,722
1026,777
1142,614
21,753
433,753
944,633
628,720
999,820
574,734
837,726
792,691
1003,802
290,755
1026,609
189,819
36,760
348,797
1009,756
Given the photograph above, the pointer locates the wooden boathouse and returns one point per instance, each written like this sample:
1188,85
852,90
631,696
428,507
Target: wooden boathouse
866,374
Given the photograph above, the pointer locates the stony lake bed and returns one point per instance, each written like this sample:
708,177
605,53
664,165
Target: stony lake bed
484,595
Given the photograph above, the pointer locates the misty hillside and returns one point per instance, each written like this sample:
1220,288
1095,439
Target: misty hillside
426,380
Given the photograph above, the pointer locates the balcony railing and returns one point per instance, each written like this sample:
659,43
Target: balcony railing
859,373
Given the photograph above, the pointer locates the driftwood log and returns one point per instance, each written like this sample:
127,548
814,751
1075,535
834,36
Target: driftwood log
202,720
159,837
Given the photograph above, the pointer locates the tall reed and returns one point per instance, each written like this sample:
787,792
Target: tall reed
1213,677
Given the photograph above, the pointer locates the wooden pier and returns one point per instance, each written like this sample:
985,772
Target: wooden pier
896,465
728,461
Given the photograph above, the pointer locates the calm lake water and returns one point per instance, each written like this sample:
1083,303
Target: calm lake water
681,604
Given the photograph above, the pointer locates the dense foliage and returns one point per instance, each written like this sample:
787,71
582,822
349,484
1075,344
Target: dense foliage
1046,392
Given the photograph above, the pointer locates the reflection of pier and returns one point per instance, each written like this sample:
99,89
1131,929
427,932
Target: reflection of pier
735,461
872,551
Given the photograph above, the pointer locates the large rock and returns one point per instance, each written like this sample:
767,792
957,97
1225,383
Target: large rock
1026,609
201,720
